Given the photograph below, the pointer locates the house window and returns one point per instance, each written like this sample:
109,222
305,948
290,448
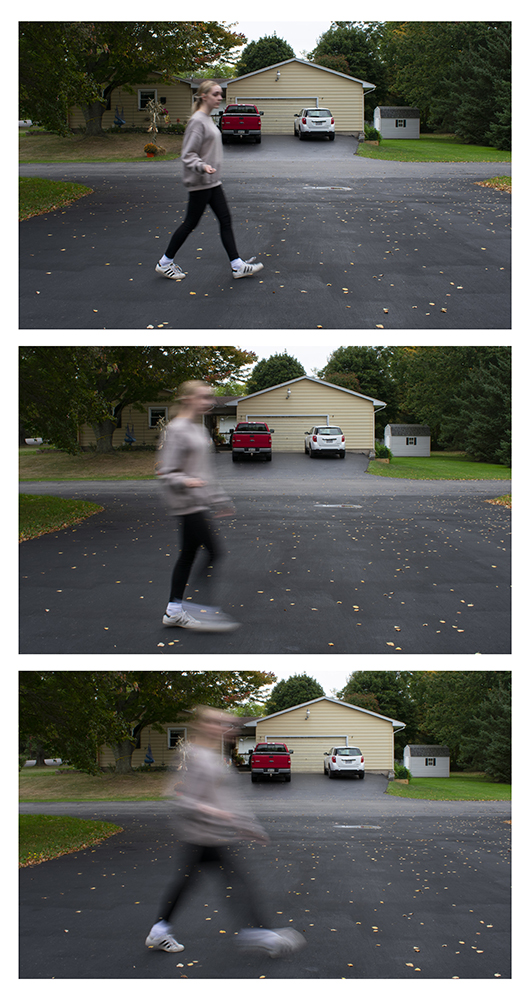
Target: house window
411,441
175,737
401,122
144,96
430,762
157,413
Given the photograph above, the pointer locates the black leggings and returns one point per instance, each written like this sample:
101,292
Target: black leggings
195,531
198,201
194,859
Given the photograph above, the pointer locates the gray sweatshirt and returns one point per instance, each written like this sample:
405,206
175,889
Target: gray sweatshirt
186,454
202,145
209,806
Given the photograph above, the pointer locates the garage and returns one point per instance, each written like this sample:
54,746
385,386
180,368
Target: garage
293,407
310,729
283,89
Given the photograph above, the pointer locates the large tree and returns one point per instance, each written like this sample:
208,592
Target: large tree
63,63
74,713
352,47
294,691
386,692
266,51
273,371
63,387
372,369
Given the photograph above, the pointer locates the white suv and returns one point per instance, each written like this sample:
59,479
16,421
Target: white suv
340,760
324,438
309,121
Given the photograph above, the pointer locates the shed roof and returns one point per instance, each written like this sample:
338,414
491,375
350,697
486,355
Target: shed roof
403,112
305,62
319,381
334,701
404,430
420,750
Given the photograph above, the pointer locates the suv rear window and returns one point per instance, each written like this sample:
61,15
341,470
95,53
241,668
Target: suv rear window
329,431
318,113
348,752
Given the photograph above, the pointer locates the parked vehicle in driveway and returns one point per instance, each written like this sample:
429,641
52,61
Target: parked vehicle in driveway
343,760
270,760
310,121
323,438
241,121
252,440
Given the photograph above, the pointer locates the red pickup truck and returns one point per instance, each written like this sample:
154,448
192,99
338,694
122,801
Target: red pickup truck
241,121
270,760
252,439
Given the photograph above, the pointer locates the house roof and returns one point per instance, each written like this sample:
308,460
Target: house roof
304,62
403,112
334,701
319,381
420,750
403,430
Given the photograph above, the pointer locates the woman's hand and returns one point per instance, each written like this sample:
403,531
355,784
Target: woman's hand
208,169
192,483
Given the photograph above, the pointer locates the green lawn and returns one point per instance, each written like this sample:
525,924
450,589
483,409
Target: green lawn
113,147
37,195
433,149
48,784
457,788
44,837
439,465
48,464
39,515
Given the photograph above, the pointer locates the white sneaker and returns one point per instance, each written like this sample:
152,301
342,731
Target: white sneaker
170,271
163,942
247,269
282,941
204,623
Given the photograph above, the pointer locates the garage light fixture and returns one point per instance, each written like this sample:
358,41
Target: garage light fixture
288,394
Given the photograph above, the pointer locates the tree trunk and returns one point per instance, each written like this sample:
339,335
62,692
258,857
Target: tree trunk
93,114
123,756
104,432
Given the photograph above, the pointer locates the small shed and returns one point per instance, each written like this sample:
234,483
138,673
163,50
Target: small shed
397,123
408,439
427,761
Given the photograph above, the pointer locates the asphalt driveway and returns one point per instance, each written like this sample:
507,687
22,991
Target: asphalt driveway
319,558
346,243
381,888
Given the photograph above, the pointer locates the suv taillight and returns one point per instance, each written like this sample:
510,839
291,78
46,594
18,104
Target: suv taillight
343,438
314,437
332,121
334,759
304,121
362,760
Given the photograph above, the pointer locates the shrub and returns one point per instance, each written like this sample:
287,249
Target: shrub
381,451
372,134
400,771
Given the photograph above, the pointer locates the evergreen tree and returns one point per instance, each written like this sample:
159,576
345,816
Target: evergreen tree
294,691
267,51
386,692
273,371
481,421
352,47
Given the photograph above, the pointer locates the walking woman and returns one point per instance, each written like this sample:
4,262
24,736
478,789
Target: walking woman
202,155
213,824
193,495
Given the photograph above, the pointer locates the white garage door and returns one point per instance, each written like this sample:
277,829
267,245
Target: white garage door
289,431
308,751
278,113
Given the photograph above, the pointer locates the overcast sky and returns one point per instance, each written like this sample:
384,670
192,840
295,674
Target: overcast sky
331,678
301,35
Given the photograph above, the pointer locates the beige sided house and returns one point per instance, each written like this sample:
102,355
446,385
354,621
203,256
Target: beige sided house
293,407
315,726
280,91
143,428
176,97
